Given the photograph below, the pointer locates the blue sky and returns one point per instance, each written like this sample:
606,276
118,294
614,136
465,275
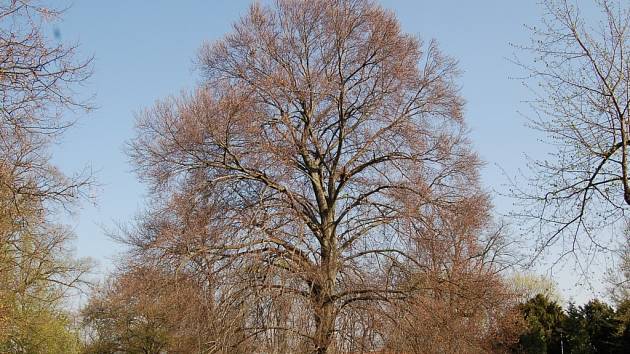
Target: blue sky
144,50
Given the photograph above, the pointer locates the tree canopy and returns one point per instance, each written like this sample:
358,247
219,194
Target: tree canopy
320,174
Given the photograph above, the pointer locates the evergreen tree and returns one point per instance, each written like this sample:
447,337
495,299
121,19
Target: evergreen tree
601,326
577,339
543,318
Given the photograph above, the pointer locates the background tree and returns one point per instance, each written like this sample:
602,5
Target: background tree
581,75
145,310
323,151
527,285
618,278
37,270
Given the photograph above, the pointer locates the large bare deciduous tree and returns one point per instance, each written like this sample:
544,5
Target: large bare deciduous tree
316,177
581,77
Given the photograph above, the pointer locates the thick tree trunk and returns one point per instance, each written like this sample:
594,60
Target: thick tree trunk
324,311
325,326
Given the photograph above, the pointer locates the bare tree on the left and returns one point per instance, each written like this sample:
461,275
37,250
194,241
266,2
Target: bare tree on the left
39,81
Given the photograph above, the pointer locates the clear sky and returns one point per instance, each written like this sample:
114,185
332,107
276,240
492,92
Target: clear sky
144,51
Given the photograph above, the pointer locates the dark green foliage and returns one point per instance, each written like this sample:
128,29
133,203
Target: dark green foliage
590,329
623,317
543,318
575,333
601,326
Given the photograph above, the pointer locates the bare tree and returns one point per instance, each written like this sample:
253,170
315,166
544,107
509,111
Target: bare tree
301,176
149,310
37,82
581,73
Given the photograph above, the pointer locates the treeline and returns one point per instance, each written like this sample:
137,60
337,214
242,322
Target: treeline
176,323
594,327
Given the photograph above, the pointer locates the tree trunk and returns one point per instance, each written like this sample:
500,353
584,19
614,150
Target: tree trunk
325,326
324,310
